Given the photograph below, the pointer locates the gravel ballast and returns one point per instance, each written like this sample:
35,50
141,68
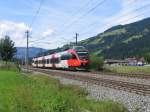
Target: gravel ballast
130,100
117,78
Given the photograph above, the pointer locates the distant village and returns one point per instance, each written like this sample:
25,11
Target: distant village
127,62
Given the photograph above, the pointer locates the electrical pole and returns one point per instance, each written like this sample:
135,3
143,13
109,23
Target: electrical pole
27,51
77,38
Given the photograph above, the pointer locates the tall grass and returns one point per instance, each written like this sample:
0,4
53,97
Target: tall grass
35,93
128,69
12,66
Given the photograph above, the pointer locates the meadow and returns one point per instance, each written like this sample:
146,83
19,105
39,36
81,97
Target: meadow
37,93
129,69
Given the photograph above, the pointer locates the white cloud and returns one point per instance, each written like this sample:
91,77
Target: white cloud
47,33
16,31
131,11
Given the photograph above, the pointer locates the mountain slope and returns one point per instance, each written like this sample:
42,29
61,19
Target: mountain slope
121,41
118,42
21,52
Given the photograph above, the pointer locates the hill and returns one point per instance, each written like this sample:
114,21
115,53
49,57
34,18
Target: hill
119,41
33,51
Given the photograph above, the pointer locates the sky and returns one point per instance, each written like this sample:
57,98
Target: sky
57,21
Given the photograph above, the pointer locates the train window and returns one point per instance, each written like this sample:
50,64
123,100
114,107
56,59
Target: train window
54,60
36,62
79,48
33,61
47,61
63,57
74,56
43,61
40,61
66,56
83,55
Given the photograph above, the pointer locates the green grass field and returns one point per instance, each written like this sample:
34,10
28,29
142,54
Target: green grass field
129,69
9,66
36,93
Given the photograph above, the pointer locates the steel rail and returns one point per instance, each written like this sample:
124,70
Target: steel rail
140,89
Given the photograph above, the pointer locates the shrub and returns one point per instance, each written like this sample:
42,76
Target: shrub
147,57
12,66
96,63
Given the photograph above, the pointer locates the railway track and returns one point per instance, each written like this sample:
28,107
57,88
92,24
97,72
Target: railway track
132,75
140,89
128,75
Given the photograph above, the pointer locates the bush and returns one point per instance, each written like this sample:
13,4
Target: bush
147,57
96,63
12,66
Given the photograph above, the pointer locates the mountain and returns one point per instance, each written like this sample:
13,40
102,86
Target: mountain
121,41
33,51
118,42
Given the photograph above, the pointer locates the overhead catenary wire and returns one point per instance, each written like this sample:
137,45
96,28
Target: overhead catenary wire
46,42
36,14
42,38
126,14
90,10
66,23
27,33
147,11
143,13
107,23
100,3
85,14
82,16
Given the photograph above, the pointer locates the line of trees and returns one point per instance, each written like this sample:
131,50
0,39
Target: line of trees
7,49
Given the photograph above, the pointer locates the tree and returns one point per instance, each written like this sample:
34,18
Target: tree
96,63
7,49
147,57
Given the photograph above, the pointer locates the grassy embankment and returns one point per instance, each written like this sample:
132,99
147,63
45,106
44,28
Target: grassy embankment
128,69
35,93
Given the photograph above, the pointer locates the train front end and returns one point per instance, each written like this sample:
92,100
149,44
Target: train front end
82,56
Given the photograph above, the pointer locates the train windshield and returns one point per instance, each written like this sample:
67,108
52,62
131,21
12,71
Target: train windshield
83,55
79,48
82,52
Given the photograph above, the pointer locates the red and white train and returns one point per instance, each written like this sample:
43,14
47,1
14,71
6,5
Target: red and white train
77,57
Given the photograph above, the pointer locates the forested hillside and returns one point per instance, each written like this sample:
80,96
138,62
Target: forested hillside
121,41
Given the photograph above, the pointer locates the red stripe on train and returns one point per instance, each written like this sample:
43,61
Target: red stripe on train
53,64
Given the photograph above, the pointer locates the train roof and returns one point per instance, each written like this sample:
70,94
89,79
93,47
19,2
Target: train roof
79,48
76,48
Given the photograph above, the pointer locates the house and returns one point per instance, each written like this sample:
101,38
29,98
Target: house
116,62
135,61
126,62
